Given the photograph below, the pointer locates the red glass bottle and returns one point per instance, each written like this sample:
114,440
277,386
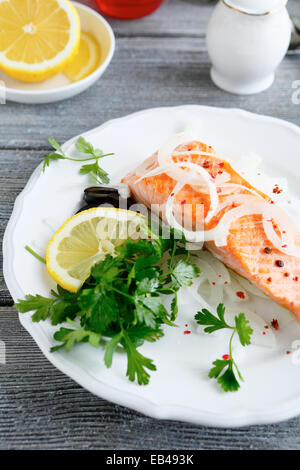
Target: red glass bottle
128,9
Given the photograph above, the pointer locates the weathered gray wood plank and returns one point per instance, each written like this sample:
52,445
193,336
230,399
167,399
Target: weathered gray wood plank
174,18
16,168
42,408
145,73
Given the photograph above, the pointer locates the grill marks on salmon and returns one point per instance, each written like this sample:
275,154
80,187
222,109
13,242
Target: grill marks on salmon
275,273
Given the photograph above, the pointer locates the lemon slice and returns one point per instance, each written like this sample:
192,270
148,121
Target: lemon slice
87,59
37,37
85,239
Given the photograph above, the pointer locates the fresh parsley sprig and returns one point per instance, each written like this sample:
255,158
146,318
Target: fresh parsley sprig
84,148
121,305
228,366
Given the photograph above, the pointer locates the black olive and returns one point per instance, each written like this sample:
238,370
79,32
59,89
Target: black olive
96,193
105,196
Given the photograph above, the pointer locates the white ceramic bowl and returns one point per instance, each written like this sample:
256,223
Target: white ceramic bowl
59,87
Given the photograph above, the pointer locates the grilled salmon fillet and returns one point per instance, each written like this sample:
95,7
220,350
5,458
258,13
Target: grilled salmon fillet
248,251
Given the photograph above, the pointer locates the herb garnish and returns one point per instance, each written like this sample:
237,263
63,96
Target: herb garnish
227,380
83,147
36,255
122,302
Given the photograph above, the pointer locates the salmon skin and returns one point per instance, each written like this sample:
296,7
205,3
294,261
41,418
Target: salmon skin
248,251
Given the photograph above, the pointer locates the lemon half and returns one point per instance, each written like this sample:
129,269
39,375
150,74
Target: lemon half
85,239
37,37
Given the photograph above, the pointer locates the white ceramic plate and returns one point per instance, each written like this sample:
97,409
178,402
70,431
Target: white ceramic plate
59,87
180,388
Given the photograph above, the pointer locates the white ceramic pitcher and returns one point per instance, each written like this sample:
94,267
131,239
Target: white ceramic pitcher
247,40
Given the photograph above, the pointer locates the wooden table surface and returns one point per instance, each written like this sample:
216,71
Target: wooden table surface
160,60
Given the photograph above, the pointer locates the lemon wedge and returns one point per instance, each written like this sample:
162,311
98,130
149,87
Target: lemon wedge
87,59
37,37
85,239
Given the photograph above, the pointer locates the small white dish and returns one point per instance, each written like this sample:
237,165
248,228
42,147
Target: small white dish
180,388
59,87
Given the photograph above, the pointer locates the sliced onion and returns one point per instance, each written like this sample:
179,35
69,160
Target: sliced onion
215,294
209,274
166,151
206,270
222,274
190,235
199,235
232,289
146,166
180,153
196,176
222,178
159,170
214,199
222,230
194,291
194,246
268,212
284,317
257,324
250,288
237,199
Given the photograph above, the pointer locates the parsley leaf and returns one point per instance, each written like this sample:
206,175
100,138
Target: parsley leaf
56,309
140,333
99,309
43,306
184,273
144,313
110,348
137,363
50,157
96,172
122,301
174,307
107,270
147,285
89,168
227,380
216,323
83,147
69,337
219,367
243,329
56,146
